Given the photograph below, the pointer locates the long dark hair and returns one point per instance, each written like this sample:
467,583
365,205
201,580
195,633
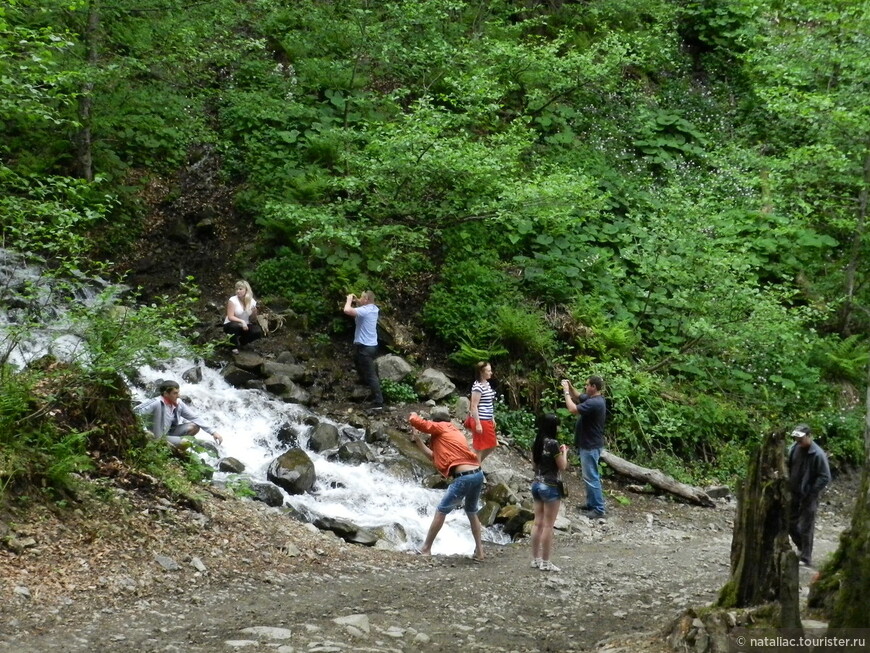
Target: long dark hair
548,427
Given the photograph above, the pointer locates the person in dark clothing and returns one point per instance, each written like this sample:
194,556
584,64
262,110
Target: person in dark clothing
591,410
549,459
808,475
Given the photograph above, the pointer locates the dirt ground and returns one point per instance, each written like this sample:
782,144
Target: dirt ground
146,575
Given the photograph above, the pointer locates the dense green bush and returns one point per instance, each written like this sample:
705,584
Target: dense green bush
291,276
33,450
463,304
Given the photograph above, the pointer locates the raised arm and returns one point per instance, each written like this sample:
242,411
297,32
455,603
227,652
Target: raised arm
571,396
348,305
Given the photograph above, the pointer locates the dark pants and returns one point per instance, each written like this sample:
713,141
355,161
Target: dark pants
364,358
802,524
240,336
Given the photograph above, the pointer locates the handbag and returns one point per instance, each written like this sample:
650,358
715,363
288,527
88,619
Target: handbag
561,485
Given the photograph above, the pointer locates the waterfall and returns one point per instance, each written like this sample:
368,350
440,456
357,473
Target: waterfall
249,420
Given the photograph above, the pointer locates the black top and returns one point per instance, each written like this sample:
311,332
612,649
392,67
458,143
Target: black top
591,415
547,470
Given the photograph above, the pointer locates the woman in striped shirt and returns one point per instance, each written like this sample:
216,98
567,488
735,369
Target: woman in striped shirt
482,422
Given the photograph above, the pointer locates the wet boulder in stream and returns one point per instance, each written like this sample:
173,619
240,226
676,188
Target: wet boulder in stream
293,472
324,436
355,453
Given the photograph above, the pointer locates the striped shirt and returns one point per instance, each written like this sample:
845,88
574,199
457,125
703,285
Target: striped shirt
485,407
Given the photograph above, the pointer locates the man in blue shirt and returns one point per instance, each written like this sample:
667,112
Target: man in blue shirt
365,341
591,410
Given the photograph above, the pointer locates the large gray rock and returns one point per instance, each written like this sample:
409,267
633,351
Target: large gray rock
268,494
356,453
434,384
347,530
230,464
462,408
293,472
278,384
292,371
237,376
248,361
324,436
394,368
500,493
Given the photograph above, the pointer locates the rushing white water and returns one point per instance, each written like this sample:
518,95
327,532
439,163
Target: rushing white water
249,420
365,494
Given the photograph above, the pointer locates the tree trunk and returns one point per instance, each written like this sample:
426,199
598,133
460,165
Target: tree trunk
657,479
84,140
852,606
764,569
851,271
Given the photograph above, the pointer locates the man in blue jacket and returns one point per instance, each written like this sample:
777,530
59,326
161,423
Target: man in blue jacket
808,475
591,410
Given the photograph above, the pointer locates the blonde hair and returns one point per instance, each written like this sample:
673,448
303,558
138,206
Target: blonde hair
478,369
249,294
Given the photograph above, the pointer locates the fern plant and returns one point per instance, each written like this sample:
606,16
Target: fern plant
843,360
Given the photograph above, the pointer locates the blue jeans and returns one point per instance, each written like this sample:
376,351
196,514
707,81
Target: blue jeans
365,364
592,479
465,489
545,493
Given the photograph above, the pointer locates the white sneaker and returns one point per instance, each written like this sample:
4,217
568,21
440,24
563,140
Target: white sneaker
546,565
535,563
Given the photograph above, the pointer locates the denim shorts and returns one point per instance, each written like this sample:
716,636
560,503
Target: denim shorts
545,493
465,488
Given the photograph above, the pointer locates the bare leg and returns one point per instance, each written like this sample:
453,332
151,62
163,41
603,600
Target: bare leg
475,531
551,510
537,530
437,523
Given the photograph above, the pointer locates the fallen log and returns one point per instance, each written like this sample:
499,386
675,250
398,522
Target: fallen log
657,479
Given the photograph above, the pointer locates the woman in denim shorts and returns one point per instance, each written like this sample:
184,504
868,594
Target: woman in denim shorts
549,458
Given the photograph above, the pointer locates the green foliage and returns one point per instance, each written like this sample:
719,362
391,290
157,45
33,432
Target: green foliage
398,392
180,474
518,425
461,305
668,193
121,336
33,450
523,333
666,138
842,433
240,487
290,275
52,216
468,355
843,360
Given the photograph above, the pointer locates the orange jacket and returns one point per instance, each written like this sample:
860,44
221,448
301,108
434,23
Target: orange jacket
448,444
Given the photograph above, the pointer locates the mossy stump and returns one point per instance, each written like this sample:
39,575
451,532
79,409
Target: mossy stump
764,568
